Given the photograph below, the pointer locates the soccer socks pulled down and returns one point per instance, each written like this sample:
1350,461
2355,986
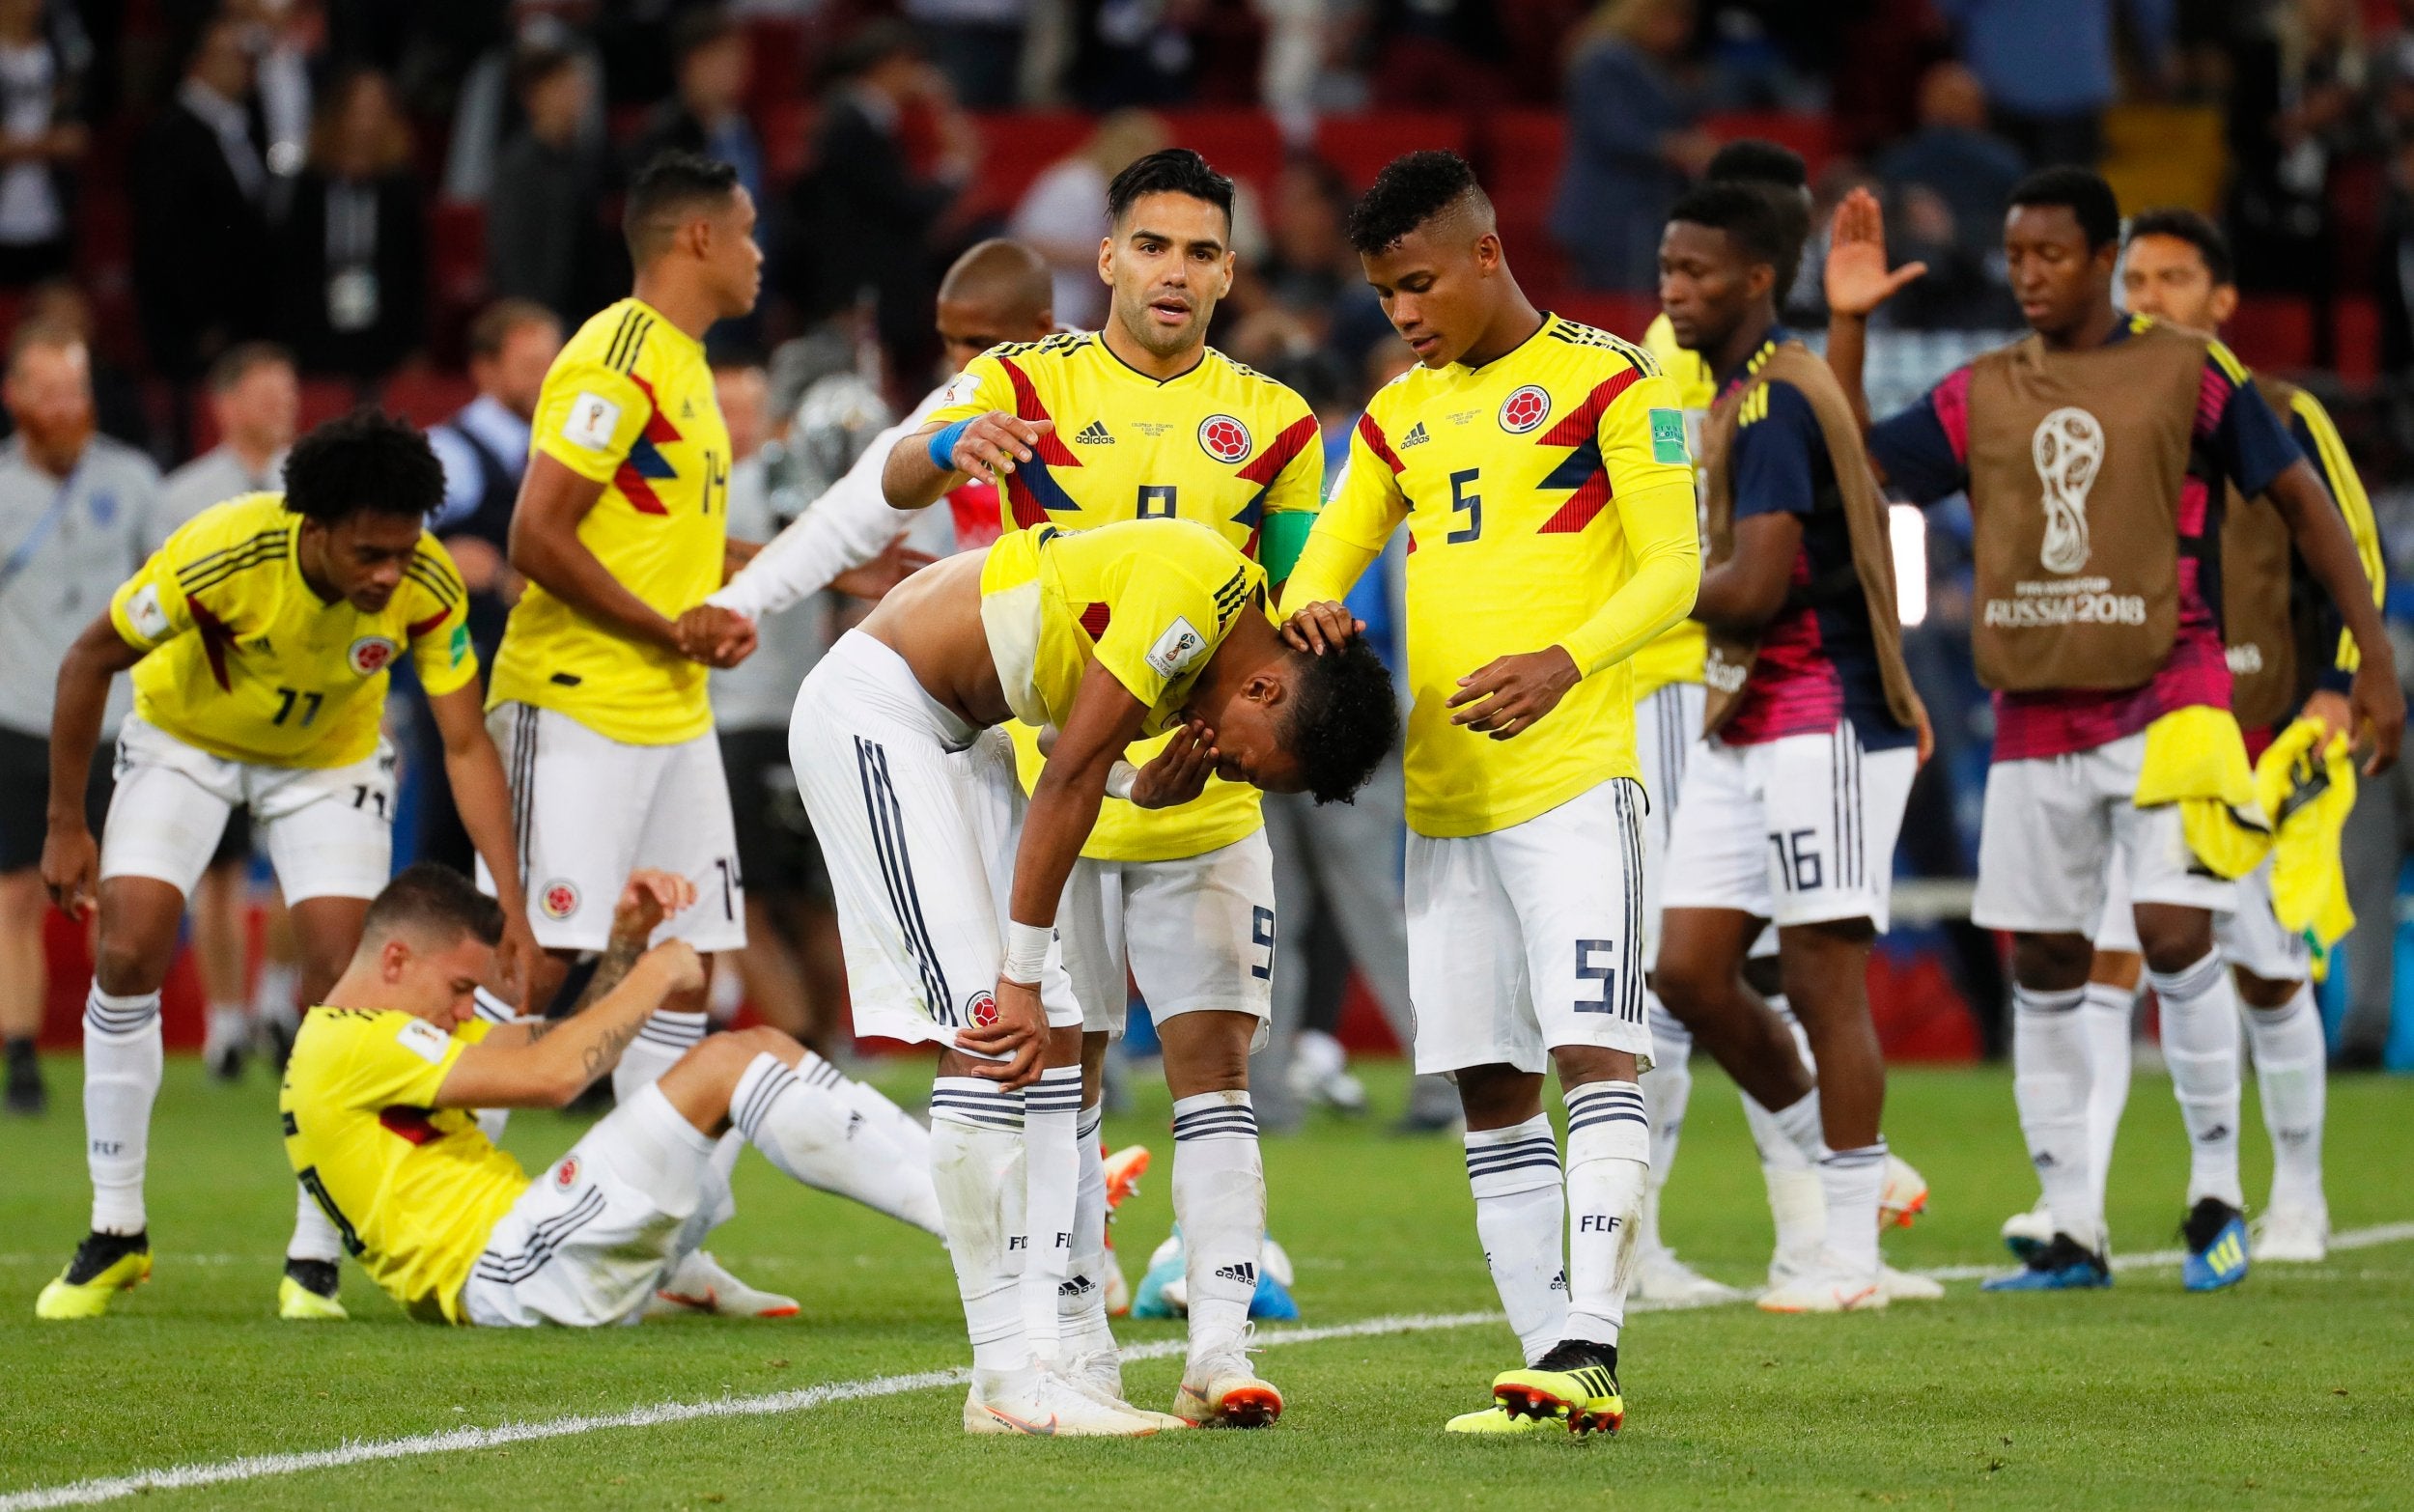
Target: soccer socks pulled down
978,1165
2288,1070
1082,1326
1220,1200
1052,1116
1799,1123
659,1043
814,1137
314,1233
1796,1209
1521,1217
1850,1183
1608,1163
2051,1080
122,1070
2199,1020
2105,1013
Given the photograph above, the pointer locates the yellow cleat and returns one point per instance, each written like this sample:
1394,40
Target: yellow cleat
1573,1384
299,1303
104,1265
1499,1420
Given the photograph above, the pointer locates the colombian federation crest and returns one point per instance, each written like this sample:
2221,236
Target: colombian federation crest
1224,439
559,900
981,1010
1525,409
371,654
565,1174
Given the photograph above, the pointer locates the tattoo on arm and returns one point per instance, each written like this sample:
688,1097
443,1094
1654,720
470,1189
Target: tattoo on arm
605,1054
538,1028
608,971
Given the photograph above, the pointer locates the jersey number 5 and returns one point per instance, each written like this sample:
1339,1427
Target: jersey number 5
1465,501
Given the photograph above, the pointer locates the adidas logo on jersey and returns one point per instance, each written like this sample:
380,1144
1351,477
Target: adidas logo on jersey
1415,437
1094,433
1243,1271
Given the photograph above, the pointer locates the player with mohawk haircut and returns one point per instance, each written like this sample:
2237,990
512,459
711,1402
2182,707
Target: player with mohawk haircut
1541,470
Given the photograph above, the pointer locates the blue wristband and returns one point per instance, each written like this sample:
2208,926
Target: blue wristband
944,444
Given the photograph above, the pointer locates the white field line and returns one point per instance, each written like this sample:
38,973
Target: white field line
258,1467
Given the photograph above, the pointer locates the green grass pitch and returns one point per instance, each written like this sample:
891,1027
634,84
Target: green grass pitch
2289,1391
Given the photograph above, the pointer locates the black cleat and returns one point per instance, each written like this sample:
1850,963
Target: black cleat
26,1096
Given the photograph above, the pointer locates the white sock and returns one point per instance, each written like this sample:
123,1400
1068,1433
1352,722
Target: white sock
1521,1217
1796,1209
1667,1089
122,1070
314,1233
901,1128
1798,1121
1082,1326
276,996
2290,1053
2105,1014
2200,1011
815,1138
659,1043
2051,1077
1220,1201
977,1166
1608,1163
1850,1182
226,1024
1051,1117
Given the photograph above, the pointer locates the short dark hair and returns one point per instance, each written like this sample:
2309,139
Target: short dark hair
430,895
1172,170
673,182
1410,189
2083,192
1345,719
697,29
2194,229
1744,212
1754,160
534,62
492,329
234,364
366,461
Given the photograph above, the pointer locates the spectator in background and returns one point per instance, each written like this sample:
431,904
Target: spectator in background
354,269
487,113
545,241
869,215
1634,141
1063,214
1946,187
203,255
73,509
713,58
58,304
255,397
978,44
2296,104
1440,54
41,140
2047,67
296,38
1284,304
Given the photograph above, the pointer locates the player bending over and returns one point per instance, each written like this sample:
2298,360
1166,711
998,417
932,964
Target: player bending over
948,882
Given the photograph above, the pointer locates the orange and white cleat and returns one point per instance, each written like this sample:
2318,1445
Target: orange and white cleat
1904,1196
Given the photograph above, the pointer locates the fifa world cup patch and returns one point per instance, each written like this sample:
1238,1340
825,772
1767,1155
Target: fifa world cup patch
1177,648
461,643
591,422
423,1040
1668,436
1224,439
559,899
144,613
371,654
1525,409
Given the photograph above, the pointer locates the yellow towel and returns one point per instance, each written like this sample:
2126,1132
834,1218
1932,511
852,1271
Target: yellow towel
2309,791
2196,759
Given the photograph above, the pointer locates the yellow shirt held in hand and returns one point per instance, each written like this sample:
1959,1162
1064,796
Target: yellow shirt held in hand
1549,498
1683,649
413,1190
1221,446
243,660
629,405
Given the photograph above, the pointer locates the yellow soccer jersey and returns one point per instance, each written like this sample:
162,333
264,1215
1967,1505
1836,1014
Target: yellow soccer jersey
1148,600
1549,498
2310,424
415,1189
629,405
1682,649
244,660
1221,445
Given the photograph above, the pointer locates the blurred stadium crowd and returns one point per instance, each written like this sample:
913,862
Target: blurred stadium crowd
258,213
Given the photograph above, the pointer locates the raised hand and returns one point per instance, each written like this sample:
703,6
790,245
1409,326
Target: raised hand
1857,278
649,897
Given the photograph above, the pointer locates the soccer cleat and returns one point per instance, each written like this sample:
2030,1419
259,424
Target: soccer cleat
2215,1233
2025,1233
1904,1196
2293,1234
1575,1383
104,1265
1098,1376
1663,1279
307,1293
1904,1286
1497,1418
27,1097
223,1044
1219,1390
1044,1406
1320,1075
700,1284
1832,1287
2063,1265
1124,1169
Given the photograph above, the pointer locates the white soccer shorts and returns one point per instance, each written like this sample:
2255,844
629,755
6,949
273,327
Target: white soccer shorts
1530,938
919,816
2048,834
1667,736
329,831
1796,830
2251,936
1194,932
596,1234
588,810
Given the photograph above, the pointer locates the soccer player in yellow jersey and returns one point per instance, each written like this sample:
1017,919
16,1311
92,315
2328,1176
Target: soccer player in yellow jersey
1144,420
949,883
1540,467
260,636
381,1099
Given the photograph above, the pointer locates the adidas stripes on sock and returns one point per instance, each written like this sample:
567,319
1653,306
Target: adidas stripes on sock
1850,1184
977,1166
2199,1020
1608,1163
123,1062
2051,1083
1521,1217
1052,1116
659,1043
1666,1090
792,1117
2289,1055
1082,1324
1220,1201
2104,1014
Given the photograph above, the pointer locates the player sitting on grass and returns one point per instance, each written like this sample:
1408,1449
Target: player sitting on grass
379,1100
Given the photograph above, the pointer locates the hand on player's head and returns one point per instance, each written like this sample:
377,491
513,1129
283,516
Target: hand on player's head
649,897
1316,626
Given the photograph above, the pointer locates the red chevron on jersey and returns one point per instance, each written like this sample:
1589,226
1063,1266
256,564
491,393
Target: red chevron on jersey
1271,462
1583,470
1029,490
645,459
1372,434
1095,619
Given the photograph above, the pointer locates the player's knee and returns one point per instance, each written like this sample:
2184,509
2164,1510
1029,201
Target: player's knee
128,968
2051,963
2173,938
1688,980
2262,991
